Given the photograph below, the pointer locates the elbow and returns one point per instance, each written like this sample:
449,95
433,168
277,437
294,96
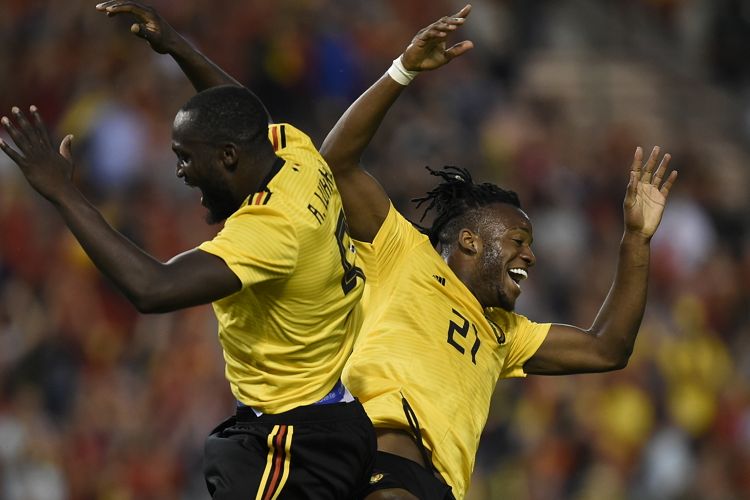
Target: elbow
620,362
150,298
332,158
616,360
146,307
338,159
146,304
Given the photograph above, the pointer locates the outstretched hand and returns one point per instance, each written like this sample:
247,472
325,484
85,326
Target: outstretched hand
646,196
428,50
150,26
48,171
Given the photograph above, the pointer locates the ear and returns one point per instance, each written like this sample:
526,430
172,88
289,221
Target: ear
469,242
230,157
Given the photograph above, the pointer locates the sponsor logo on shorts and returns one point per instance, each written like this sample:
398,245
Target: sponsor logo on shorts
376,478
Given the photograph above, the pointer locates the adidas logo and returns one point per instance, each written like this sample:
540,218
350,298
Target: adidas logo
440,279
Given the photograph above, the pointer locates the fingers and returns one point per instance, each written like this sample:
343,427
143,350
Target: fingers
648,175
437,30
459,49
103,5
631,189
448,23
41,130
637,161
66,148
28,137
12,153
668,183
432,33
14,132
33,134
139,30
661,169
463,13
114,7
650,164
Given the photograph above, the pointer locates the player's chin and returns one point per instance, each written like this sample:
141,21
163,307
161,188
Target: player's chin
215,215
219,206
509,294
507,301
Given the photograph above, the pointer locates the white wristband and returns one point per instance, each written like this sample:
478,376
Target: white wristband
400,74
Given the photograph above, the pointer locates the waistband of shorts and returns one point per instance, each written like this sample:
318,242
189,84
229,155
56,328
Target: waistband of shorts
305,414
339,394
320,411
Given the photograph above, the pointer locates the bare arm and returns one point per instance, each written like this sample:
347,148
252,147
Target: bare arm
192,278
365,202
150,26
607,345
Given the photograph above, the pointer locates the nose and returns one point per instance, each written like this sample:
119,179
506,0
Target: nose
179,172
528,256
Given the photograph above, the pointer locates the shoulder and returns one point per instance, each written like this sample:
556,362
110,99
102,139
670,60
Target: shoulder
510,321
396,226
284,136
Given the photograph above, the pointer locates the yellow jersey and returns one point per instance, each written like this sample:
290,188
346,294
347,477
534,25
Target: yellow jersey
426,337
288,332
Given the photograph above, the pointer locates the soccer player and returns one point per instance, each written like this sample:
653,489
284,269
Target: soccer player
283,280
439,306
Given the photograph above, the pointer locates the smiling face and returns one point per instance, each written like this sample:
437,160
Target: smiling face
503,256
200,165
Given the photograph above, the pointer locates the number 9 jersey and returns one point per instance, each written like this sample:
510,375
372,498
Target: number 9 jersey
288,332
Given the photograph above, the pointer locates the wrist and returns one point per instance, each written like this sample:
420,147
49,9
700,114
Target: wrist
63,196
400,74
631,237
174,44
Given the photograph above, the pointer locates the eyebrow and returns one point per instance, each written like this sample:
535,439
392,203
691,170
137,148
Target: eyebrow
525,230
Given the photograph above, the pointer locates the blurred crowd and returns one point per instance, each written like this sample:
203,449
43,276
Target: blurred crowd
99,402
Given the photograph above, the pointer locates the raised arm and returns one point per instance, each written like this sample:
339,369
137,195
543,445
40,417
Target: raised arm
150,26
192,278
607,345
365,202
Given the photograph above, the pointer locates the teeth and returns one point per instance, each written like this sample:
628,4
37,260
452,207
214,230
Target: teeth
520,273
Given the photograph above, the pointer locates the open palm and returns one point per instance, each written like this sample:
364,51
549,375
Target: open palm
646,195
428,50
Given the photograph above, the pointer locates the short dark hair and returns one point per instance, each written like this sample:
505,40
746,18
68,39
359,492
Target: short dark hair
457,201
229,113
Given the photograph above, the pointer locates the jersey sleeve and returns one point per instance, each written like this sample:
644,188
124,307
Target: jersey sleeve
390,246
524,340
258,243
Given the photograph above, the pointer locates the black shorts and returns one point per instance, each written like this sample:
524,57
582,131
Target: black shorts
392,471
315,452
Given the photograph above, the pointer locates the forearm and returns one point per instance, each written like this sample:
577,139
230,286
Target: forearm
134,272
200,70
345,143
618,321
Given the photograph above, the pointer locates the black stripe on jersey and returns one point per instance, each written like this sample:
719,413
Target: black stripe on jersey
282,132
260,198
275,168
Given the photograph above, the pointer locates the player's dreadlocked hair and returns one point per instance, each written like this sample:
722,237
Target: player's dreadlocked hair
456,199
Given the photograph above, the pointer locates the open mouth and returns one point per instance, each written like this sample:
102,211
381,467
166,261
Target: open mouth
518,275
